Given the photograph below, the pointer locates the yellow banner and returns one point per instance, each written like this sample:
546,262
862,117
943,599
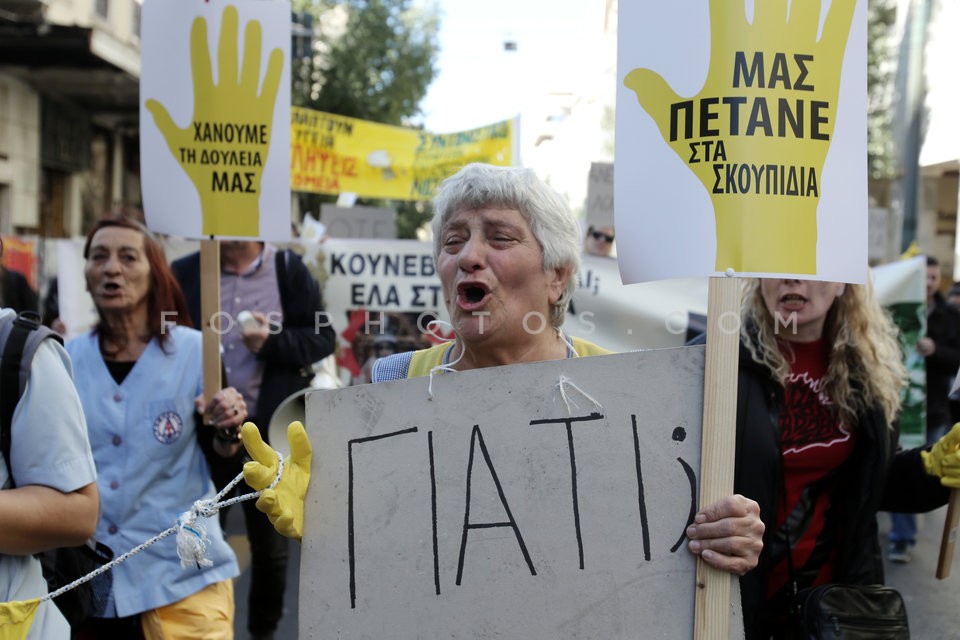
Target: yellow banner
335,154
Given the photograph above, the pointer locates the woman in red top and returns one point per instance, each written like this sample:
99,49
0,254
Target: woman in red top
821,376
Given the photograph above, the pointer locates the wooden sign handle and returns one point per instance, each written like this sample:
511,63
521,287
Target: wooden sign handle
949,539
210,314
718,449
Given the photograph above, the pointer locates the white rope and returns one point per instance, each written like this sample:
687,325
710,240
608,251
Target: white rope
442,368
191,536
448,368
563,384
570,348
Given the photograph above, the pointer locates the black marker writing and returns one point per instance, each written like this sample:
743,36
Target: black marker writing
476,438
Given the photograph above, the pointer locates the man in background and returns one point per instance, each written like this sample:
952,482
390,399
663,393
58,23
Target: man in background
940,348
953,295
599,241
278,329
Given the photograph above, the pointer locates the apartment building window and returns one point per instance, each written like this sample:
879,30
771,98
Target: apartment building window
102,7
136,18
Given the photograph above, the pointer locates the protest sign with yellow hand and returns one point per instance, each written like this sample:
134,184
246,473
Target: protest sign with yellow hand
758,132
224,147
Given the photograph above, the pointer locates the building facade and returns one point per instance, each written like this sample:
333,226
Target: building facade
69,116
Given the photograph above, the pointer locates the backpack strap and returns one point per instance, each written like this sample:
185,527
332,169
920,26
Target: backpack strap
282,260
20,339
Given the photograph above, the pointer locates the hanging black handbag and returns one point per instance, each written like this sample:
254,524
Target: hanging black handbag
835,611
849,612
64,565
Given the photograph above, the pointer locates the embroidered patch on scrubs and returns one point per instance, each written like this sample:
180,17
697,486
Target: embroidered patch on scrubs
167,427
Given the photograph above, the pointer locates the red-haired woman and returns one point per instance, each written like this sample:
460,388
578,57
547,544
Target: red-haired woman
139,376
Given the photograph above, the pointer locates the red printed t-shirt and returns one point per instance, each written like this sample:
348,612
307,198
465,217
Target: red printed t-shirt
815,442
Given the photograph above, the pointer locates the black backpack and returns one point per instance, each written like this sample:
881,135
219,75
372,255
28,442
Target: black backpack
20,338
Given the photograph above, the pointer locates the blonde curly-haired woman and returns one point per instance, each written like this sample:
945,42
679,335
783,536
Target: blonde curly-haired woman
821,376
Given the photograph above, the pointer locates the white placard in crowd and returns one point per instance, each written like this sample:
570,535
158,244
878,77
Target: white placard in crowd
214,150
359,222
741,142
382,275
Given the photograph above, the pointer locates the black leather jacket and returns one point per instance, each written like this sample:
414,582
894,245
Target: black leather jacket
943,326
876,477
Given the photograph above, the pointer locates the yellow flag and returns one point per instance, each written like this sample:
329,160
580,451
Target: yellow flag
16,618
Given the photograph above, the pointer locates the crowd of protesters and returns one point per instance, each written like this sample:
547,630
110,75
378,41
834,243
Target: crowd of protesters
817,414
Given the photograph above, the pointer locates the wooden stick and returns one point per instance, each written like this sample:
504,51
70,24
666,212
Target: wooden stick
949,539
210,313
717,451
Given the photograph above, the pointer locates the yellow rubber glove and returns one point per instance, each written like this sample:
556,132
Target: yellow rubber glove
943,460
284,503
762,175
224,148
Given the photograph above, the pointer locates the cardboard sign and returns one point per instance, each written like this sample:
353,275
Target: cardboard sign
535,501
620,317
600,194
879,234
215,118
391,275
740,138
359,222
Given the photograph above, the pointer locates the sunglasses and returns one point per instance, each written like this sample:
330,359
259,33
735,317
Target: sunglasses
600,235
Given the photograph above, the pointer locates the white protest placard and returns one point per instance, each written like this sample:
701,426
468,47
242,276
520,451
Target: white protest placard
359,222
600,195
75,306
215,118
385,275
740,139
535,501
878,230
619,317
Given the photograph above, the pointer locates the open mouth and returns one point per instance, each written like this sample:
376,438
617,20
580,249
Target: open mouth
111,287
472,293
792,299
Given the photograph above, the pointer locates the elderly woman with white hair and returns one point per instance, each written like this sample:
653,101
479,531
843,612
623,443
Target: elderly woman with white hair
507,249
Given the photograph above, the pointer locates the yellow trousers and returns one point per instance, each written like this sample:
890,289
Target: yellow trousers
207,614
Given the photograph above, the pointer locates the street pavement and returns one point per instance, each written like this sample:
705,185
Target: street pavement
933,606
236,536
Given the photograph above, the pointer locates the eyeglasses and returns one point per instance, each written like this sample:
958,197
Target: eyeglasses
600,235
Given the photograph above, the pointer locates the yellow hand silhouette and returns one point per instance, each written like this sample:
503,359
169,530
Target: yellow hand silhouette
758,132
224,148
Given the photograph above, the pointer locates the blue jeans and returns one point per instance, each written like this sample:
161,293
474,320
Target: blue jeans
903,527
